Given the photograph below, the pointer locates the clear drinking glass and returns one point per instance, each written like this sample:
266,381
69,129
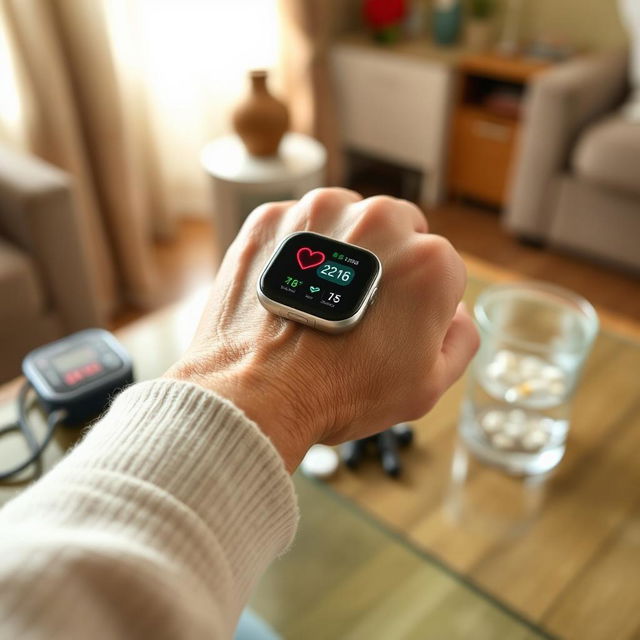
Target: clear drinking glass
535,338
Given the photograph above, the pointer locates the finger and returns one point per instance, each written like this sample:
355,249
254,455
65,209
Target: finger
263,222
395,210
320,210
460,345
252,246
445,272
420,222
376,222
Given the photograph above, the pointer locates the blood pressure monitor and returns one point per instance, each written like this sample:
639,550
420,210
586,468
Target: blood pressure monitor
74,379
79,373
319,282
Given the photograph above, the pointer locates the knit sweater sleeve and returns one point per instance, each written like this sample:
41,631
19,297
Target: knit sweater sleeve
156,525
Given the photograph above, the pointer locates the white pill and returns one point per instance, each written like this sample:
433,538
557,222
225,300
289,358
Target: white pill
320,462
534,423
492,421
512,395
507,359
557,388
525,390
535,385
495,371
517,416
530,366
535,439
502,441
551,373
515,429
512,375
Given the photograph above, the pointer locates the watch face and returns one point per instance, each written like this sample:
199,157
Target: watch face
320,276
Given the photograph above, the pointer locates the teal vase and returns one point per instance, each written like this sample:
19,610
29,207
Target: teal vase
447,23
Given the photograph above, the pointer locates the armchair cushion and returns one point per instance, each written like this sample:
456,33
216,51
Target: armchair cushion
20,293
608,154
38,215
561,104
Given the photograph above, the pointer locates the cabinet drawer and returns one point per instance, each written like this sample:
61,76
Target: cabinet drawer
391,106
481,154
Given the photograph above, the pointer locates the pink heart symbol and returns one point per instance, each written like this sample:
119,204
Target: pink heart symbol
308,259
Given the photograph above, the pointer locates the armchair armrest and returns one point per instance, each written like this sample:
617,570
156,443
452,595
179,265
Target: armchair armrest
37,214
561,102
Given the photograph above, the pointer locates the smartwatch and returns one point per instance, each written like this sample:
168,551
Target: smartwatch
319,282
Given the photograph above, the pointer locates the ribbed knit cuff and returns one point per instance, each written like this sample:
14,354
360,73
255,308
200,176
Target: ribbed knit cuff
174,441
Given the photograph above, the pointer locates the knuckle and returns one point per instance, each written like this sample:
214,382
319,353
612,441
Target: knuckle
261,225
267,214
318,202
378,209
430,395
423,400
441,259
441,250
450,267
377,212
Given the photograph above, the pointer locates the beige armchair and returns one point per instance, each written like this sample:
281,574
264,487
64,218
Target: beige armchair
577,177
45,288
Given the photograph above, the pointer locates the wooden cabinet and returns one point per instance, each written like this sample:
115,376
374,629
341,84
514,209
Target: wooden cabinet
481,152
486,124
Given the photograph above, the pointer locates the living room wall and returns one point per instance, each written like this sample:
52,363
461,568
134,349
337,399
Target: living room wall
586,24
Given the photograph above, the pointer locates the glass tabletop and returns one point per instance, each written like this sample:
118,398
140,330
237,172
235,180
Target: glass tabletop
354,573
347,576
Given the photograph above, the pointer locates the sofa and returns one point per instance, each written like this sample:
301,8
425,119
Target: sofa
576,183
45,286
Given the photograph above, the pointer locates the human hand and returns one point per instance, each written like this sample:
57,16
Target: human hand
302,386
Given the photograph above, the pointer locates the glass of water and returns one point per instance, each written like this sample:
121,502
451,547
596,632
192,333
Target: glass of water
535,338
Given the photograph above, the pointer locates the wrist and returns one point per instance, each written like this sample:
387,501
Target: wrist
271,406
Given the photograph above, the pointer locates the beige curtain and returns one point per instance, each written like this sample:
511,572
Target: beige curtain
307,31
123,94
78,115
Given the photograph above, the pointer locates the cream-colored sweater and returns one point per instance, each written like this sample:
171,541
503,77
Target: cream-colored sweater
156,526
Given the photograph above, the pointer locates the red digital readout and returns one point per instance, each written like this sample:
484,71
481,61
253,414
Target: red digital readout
77,375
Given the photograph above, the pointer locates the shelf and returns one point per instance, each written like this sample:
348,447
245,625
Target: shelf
511,69
478,112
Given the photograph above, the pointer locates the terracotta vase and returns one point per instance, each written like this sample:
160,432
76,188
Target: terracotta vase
260,119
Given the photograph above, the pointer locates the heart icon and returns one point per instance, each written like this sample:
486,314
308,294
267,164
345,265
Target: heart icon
308,259
314,289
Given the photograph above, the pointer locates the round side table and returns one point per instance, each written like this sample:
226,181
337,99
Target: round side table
241,181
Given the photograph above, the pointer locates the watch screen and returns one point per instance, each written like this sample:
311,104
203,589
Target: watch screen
320,276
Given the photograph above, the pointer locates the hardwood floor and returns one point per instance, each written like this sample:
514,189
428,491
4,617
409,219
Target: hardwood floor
189,260
477,232
183,264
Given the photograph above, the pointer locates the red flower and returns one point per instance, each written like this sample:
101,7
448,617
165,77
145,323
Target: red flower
383,13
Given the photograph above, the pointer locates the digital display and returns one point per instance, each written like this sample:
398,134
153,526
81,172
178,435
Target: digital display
74,358
320,276
77,364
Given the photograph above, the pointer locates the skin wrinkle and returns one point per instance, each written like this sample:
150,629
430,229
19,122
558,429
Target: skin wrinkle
243,375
